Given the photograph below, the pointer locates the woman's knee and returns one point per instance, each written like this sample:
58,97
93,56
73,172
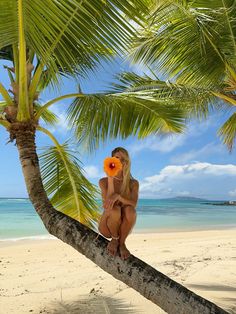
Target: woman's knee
104,231
115,213
102,226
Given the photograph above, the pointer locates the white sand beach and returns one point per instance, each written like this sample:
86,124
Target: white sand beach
48,276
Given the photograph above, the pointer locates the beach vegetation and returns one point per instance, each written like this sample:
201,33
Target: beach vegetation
191,45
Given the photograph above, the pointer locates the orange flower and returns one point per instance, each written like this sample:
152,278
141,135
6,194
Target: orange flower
112,166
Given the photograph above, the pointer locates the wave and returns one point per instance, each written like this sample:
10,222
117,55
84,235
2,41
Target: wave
38,237
21,200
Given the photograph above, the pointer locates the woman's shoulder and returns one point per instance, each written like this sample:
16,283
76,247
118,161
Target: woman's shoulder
103,181
134,182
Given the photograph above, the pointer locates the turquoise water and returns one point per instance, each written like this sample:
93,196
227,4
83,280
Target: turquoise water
18,218
184,214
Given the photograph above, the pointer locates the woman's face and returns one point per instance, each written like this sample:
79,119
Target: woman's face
122,157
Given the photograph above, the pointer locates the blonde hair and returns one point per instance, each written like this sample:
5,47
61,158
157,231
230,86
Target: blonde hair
125,187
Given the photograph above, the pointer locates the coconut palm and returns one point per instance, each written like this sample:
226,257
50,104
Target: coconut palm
46,40
193,45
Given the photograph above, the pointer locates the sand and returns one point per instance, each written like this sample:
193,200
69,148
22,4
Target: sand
48,276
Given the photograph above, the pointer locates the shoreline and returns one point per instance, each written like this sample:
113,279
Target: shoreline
48,236
33,279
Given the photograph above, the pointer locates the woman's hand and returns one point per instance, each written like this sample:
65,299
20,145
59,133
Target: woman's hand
109,203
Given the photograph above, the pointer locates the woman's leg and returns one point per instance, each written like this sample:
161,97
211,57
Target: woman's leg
109,227
127,224
102,226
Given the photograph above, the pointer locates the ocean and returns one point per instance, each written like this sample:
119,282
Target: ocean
18,219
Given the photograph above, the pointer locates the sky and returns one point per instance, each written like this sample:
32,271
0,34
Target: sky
195,163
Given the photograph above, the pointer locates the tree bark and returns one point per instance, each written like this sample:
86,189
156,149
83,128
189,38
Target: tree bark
171,296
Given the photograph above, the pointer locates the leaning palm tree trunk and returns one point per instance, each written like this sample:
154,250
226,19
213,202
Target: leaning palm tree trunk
155,286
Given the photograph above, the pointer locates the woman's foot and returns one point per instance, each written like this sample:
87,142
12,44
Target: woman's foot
124,252
112,247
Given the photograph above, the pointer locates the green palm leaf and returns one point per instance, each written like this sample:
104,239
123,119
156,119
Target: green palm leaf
228,132
189,41
138,105
6,53
195,101
71,35
70,192
3,104
96,118
193,43
47,115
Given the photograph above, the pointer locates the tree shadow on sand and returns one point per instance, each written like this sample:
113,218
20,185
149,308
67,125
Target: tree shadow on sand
232,308
212,287
229,304
93,304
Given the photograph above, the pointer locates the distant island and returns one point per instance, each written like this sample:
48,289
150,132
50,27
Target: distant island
225,203
203,201
187,198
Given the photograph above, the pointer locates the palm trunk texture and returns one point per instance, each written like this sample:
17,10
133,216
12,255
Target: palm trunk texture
171,296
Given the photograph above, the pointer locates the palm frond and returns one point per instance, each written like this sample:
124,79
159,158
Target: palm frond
65,183
196,100
138,105
47,115
47,79
95,304
228,132
189,41
6,53
95,118
3,104
71,35
5,95
4,123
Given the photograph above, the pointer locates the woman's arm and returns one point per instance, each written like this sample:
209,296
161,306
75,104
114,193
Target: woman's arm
103,187
134,195
109,197
107,190
110,186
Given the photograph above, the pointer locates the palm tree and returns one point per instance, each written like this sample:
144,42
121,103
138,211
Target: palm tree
46,40
192,44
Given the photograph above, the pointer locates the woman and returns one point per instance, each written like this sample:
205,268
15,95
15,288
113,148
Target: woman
120,196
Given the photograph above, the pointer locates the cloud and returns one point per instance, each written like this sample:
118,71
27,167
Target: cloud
92,172
154,143
232,193
201,153
198,179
